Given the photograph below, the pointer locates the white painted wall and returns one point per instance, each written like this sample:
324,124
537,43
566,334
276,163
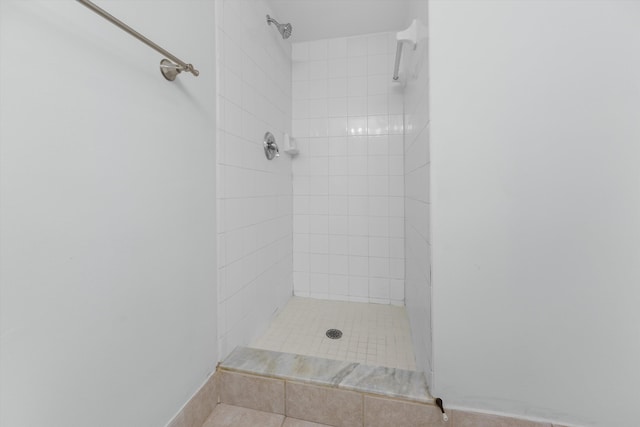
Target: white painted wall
348,178
107,214
536,208
414,73
254,194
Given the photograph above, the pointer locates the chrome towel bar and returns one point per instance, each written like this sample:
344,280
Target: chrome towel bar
169,68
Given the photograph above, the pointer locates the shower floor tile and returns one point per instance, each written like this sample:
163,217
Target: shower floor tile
373,334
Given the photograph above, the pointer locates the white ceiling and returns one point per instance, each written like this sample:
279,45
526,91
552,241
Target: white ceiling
323,19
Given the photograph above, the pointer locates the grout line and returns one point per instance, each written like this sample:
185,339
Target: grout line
285,398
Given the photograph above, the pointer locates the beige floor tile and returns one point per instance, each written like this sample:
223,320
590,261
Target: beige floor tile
380,412
248,391
475,419
292,422
325,405
235,416
203,403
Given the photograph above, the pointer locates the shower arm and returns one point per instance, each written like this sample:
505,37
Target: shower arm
169,70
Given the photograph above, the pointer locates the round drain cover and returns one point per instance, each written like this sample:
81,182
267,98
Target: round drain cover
334,334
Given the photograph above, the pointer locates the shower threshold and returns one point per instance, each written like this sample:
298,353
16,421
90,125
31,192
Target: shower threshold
378,380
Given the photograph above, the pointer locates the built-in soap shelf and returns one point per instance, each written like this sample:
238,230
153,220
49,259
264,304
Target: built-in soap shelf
289,145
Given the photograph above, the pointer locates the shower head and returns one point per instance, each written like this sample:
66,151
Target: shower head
284,29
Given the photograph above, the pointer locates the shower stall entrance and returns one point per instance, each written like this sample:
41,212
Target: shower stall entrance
320,241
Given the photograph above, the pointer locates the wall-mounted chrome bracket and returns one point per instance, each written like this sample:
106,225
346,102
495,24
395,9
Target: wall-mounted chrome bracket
270,147
169,70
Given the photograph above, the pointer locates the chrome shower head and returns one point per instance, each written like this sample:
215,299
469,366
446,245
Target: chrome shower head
283,29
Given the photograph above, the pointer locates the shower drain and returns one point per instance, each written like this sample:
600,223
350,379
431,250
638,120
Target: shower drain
334,334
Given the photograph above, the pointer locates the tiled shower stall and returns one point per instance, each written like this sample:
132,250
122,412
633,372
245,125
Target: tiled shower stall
347,218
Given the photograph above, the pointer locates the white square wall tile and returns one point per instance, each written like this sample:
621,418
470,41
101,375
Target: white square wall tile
378,185
377,85
338,225
357,46
357,126
357,106
379,227
396,290
319,146
379,206
357,190
359,266
318,263
337,87
378,125
339,245
359,245
379,246
358,286
379,267
337,126
319,283
338,163
356,86
337,107
337,48
300,71
338,285
359,225
319,205
357,67
300,51
338,186
318,50
337,68
377,44
396,268
396,206
396,247
380,66
337,145
377,104
317,88
300,242
300,109
378,166
300,89
318,224
339,205
300,262
319,243
359,204
317,108
396,227
379,288
339,264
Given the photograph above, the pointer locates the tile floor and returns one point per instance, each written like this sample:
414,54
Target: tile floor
373,334
236,416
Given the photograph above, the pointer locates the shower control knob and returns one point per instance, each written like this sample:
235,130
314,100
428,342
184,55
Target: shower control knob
271,149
